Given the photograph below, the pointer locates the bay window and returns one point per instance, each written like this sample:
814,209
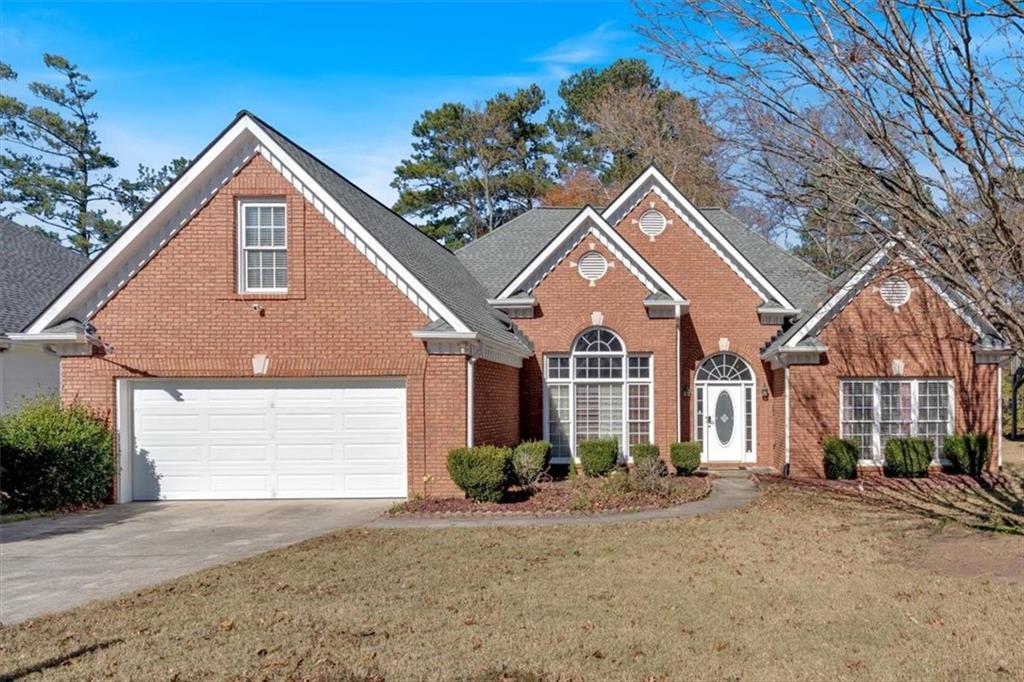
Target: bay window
873,411
597,391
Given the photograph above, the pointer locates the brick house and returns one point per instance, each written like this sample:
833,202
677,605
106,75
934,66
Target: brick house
267,329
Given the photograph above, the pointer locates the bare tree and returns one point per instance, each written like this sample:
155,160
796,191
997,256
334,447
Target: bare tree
904,116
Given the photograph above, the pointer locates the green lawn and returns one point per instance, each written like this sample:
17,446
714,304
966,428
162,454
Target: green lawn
801,585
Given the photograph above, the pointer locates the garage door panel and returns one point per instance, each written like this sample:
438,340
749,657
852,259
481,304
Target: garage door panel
227,439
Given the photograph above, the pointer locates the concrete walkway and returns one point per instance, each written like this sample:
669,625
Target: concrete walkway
53,564
729,490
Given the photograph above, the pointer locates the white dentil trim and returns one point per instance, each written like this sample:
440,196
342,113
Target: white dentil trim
695,219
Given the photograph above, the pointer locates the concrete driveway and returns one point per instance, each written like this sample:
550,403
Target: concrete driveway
52,564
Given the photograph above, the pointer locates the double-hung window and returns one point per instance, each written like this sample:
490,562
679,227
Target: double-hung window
873,411
263,246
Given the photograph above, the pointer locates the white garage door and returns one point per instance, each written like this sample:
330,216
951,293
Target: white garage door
245,439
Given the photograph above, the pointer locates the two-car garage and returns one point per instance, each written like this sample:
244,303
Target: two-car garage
192,439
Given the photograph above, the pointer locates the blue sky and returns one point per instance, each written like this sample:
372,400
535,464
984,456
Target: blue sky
346,80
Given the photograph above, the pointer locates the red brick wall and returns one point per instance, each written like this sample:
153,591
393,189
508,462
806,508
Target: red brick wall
929,337
181,316
565,303
495,404
722,305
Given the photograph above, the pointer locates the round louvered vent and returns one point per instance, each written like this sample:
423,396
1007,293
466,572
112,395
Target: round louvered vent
652,223
895,291
592,266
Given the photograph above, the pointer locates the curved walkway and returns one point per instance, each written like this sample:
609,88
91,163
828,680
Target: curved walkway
727,493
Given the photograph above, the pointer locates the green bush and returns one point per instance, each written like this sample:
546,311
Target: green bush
967,452
686,456
483,472
908,457
599,456
530,461
841,456
644,452
54,456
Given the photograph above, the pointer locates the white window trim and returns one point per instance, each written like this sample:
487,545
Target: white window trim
243,270
876,408
572,381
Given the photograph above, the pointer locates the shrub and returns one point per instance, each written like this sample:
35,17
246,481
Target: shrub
483,472
530,461
841,456
686,457
908,457
644,451
54,456
599,456
968,452
648,475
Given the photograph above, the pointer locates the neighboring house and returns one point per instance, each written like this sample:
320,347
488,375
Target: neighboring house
33,270
267,329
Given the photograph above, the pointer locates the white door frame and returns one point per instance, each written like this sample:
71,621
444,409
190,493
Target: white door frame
743,406
737,446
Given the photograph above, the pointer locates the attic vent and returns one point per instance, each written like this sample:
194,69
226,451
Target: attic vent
895,291
592,266
652,223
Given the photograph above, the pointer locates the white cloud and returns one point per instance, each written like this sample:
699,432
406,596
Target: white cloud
587,48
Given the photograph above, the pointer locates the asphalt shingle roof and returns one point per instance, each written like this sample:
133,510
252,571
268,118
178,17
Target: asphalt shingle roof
496,258
432,264
33,271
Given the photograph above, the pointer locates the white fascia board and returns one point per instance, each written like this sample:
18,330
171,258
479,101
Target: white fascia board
42,337
113,254
445,336
703,223
610,238
854,282
518,301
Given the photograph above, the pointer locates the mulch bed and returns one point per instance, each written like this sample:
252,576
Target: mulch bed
579,496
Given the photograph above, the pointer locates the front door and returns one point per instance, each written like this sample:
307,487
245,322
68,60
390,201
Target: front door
724,423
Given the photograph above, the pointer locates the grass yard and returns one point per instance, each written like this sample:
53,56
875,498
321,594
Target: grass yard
801,585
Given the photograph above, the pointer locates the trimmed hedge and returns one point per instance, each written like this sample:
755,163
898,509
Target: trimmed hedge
54,456
686,456
908,457
644,452
841,456
599,456
483,472
968,452
530,459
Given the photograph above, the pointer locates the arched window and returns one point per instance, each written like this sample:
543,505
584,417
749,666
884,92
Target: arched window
597,390
731,374
724,367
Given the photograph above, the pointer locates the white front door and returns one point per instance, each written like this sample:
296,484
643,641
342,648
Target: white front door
724,423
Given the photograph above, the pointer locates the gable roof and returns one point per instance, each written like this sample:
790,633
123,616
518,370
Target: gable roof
497,257
427,273
33,269
844,288
501,254
588,221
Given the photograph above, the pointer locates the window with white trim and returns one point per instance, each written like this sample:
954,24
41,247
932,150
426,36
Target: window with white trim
873,411
263,246
597,391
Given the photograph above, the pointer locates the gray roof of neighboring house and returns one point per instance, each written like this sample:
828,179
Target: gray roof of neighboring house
496,258
33,271
432,264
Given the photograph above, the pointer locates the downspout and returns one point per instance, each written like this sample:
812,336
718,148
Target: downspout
470,365
679,378
785,402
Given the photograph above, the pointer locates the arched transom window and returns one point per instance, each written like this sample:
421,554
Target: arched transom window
597,390
724,367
